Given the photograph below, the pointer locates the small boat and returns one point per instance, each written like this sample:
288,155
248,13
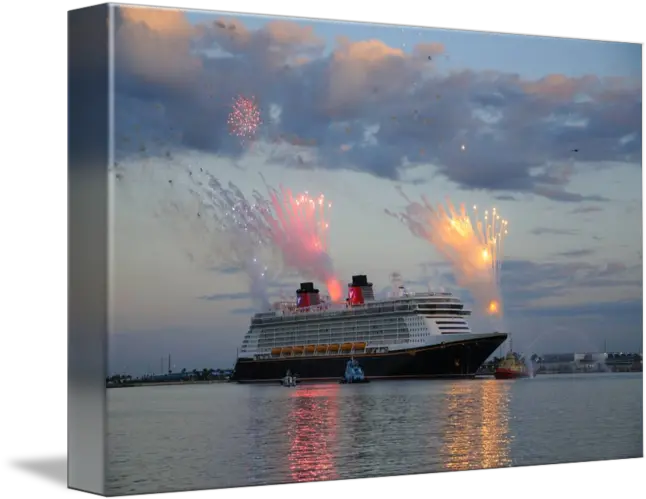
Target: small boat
511,367
289,380
353,373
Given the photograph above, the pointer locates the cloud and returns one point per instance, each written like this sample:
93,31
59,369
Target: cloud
556,194
586,209
540,231
562,306
601,310
527,284
515,130
576,253
274,287
226,296
505,197
226,269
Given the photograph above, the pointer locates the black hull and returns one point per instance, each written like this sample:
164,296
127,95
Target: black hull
450,360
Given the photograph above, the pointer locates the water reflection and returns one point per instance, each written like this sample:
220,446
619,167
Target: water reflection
476,434
312,431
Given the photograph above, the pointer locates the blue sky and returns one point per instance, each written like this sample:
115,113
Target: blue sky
371,112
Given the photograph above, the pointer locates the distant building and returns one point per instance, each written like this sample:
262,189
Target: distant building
557,363
590,362
624,362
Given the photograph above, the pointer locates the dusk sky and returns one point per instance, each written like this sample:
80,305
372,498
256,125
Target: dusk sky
353,111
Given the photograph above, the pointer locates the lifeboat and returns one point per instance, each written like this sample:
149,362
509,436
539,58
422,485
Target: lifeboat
321,349
310,348
275,351
287,351
298,350
333,348
359,346
346,347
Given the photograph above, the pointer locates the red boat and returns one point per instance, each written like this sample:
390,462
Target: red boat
511,368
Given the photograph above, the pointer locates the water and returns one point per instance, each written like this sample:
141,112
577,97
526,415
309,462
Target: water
224,435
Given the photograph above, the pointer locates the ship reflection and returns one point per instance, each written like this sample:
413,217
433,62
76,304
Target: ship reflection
311,429
477,431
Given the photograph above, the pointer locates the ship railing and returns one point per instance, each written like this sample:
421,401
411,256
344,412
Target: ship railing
373,311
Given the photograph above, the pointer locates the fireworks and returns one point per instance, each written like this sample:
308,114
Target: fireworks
292,228
472,245
244,119
298,229
229,222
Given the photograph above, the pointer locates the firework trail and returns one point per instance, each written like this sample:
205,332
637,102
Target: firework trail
292,228
244,118
472,245
298,229
239,233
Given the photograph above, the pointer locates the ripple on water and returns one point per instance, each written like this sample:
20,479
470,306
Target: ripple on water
212,436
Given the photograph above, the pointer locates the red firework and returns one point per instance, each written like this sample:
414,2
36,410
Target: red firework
244,118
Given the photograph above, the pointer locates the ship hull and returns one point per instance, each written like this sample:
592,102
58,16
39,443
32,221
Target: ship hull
510,374
448,360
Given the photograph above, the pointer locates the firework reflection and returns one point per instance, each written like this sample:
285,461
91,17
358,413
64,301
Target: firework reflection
312,433
476,435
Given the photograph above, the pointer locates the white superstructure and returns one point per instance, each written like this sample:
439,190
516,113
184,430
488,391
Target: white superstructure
404,320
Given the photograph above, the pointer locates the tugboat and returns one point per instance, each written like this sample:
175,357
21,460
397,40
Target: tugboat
512,367
353,373
289,380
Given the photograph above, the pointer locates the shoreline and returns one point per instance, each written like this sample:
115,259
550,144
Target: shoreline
166,383
214,381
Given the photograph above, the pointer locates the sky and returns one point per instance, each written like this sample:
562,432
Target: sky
552,138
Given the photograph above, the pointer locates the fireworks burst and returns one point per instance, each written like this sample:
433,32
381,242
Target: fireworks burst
239,224
472,245
292,228
244,119
299,229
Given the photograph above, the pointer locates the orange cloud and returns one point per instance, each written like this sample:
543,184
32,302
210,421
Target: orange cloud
154,44
169,21
357,66
289,33
365,51
428,49
558,86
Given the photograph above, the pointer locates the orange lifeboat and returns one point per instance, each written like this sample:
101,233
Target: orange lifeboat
321,349
346,347
287,351
298,350
359,346
333,348
310,348
275,351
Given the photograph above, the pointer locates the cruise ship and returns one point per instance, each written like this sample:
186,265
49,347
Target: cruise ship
406,335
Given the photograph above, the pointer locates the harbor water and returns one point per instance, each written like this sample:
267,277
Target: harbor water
169,438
